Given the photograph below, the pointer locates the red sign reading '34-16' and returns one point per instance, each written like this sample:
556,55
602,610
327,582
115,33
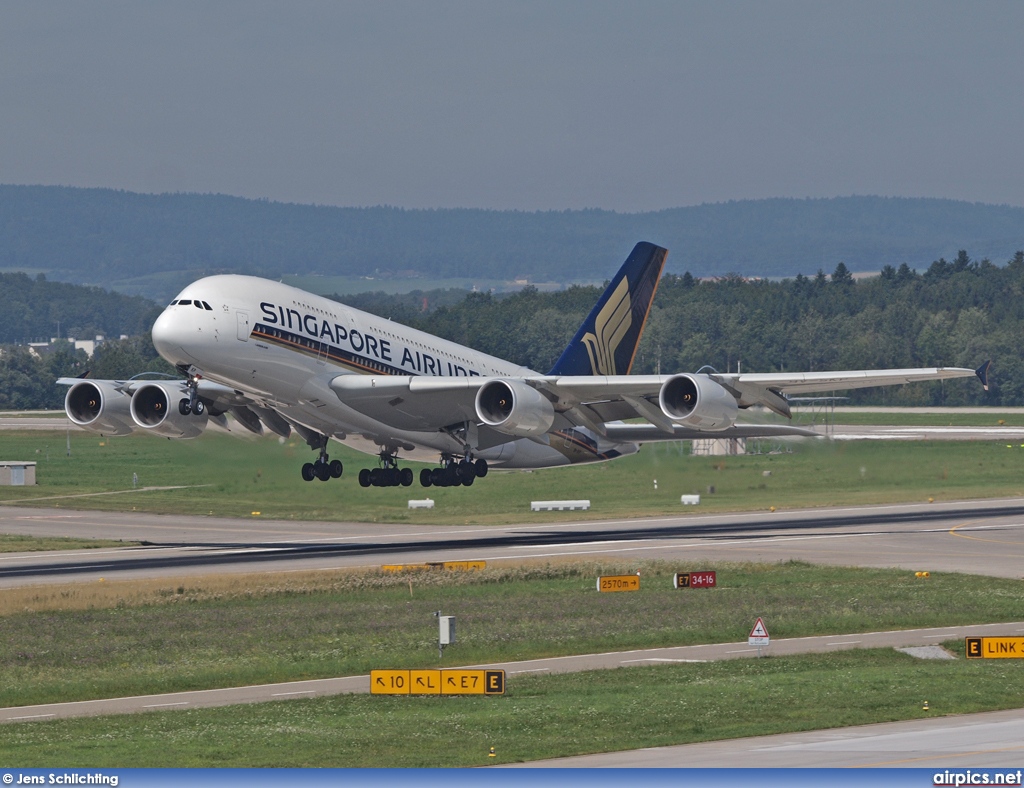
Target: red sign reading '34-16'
694,580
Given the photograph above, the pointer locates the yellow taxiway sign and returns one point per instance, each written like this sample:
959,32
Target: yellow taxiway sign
437,682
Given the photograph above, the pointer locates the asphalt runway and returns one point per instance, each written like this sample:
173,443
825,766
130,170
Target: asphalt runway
975,537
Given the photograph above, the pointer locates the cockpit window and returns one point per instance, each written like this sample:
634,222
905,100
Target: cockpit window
197,304
207,307
174,302
185,302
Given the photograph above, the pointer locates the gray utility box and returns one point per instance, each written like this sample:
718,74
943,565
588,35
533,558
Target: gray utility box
16,474
447,633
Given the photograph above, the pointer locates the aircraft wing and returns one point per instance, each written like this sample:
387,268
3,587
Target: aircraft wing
410,402
98,396
674,405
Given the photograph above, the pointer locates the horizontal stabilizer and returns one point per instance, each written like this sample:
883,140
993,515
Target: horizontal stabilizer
982,373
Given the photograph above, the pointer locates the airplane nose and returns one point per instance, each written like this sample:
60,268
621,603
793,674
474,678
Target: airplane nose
167,337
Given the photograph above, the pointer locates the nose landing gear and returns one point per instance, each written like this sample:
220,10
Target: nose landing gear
191,403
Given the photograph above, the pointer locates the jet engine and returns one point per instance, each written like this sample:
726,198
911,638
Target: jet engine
154,407
514,408
697,401
99,407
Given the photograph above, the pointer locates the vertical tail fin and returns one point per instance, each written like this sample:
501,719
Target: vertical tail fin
607,341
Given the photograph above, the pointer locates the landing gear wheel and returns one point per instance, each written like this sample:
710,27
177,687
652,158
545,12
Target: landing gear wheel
406,477
364,477
183,406
308,473
199,408
465,471
323,471
481,468
425,477
336,468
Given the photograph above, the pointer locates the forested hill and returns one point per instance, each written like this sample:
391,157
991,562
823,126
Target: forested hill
153,244
960,312
35,309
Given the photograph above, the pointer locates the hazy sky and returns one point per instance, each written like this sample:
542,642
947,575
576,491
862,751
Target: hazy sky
528,105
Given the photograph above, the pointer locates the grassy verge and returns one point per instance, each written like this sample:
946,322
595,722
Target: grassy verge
13,543
539,717
222,475
72,643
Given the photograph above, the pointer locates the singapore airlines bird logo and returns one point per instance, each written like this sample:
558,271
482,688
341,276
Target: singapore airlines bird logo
610,326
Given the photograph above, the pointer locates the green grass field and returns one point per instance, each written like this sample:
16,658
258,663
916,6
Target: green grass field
538,717
220,474
200,633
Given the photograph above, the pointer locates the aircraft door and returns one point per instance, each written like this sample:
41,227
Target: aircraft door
243,325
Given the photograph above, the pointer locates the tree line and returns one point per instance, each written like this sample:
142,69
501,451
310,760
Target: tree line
959,312
956,313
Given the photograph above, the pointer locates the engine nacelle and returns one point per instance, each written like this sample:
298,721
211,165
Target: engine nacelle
154,407
697,401
514,408
99,407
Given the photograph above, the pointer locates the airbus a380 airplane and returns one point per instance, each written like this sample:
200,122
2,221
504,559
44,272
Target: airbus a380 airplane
281,359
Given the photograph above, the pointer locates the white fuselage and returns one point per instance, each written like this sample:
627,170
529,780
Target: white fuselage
282,346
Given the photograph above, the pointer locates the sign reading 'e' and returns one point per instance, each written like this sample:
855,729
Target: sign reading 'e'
994,648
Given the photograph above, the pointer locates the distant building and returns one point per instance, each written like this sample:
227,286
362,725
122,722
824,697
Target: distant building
41,349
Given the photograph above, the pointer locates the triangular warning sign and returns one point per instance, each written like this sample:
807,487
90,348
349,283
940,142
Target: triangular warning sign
759,630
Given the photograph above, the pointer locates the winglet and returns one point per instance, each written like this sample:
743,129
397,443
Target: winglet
606,343
982,373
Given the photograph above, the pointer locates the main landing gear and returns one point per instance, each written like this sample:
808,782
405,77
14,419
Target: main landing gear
323,468
453,473
387,475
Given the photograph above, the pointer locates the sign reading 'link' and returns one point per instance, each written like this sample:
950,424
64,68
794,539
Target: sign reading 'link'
994,648
437,682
